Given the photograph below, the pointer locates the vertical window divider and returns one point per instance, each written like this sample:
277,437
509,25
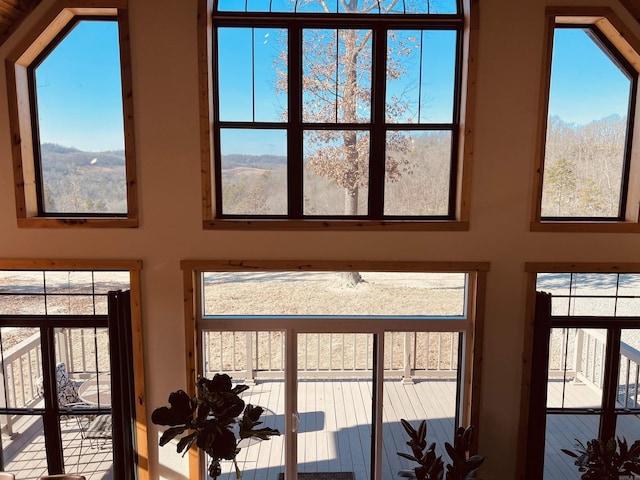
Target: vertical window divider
253,74
295,144
378,128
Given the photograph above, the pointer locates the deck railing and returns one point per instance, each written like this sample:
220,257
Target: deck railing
407,354
581,353
22,367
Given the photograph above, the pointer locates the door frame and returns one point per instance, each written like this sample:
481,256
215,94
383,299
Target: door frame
472,325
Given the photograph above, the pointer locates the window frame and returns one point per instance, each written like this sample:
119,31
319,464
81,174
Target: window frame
471,325
611,30
534,368
23,121
460,178
134,268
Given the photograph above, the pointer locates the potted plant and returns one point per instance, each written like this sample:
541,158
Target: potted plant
215,420
606,460
431,467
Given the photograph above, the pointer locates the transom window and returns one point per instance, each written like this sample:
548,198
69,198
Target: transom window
336,110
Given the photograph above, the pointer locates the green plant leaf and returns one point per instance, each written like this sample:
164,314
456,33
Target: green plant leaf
407,456
180,412
170,433
185,442
569,452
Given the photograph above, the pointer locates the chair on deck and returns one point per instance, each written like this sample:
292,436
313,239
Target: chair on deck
67,388
97,430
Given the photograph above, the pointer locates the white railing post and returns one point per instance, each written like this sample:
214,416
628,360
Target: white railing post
249,378
6,419
407,379
577,355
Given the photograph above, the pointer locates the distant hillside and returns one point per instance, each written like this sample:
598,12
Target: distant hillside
83,182
57,156
263,162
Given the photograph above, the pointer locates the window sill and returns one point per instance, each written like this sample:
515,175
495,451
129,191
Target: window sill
337,225
586,227
77,222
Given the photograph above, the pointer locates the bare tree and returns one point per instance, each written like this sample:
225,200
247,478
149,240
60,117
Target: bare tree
337,89
337,83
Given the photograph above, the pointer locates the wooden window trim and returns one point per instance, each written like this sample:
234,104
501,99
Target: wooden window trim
477,272
628,45
465,144
17,62
134,268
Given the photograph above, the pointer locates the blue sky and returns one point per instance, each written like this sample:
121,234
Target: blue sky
585,84
79,90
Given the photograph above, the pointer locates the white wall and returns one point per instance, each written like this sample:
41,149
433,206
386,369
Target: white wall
163,41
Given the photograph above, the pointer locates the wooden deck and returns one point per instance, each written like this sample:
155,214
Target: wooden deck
335,430
563,430
24,452
335,425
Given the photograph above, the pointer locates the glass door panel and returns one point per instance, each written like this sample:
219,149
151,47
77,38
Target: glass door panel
257,359
83,379
576,367
25,453
335,384
561,432
22,388
629,370
421,377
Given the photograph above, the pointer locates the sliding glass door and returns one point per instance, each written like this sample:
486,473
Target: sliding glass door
336,367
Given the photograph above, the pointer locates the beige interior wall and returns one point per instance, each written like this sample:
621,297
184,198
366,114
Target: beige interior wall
163,40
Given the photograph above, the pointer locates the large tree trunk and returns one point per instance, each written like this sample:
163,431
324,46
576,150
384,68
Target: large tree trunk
350,279
349,106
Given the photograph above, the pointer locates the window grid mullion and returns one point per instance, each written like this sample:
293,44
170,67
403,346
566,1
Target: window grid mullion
295,153
377,140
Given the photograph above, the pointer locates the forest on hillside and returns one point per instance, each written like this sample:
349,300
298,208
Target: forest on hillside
583,175
584,168
83,182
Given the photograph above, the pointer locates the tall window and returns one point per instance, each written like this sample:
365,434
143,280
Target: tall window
337,110
74,163
587,142
329,360
67,337
78,121
585,367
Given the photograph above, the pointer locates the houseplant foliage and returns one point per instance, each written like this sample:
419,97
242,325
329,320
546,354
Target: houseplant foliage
606,460
211,420
431,467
